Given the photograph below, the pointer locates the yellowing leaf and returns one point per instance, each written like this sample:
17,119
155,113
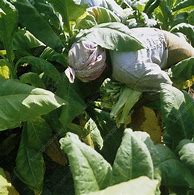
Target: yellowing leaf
5,187
3,52
145,119
4,71
55,153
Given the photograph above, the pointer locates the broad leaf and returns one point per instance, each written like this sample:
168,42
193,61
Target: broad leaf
29,161
30,167
75,104
177,115
24,41
173,172
186,29
32,79
20,102
40,65
141,185
8,22
36,24
183,71
186,153
51,55
113,36
183,4
96,15
36,134
67,9
89,169
132,160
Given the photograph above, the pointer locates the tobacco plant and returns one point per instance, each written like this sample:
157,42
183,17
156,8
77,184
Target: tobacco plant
89,138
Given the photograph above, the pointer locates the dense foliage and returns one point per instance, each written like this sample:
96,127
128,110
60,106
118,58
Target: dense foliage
62,138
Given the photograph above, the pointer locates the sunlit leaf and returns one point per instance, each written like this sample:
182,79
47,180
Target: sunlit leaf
132,187
89,169
20,102
132,159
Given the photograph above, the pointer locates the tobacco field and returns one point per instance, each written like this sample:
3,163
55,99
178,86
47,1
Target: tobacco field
100,137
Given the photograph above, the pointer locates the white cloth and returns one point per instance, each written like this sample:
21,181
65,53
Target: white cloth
141,70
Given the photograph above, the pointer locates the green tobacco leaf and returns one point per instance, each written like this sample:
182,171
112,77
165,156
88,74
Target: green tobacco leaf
186,29
186,153
37,25
8,22
20,102
132,187
145,137
96,15
29,161
67,9
132,160
30,167
127,99
75,104
183,4
113,36
24,41
177,115
51,55
36,134
183,71
41,66
89,169
173,172
32,79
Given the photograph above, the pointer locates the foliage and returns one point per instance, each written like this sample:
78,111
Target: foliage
41,112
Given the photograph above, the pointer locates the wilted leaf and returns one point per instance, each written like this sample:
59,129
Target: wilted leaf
89,169
55,153
145,119
132,187
132,160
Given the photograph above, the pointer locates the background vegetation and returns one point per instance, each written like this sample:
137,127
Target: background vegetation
61,138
